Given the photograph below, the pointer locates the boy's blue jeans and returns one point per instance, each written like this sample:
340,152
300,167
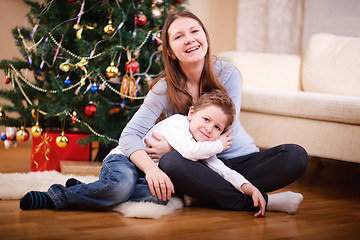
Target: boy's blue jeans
118,182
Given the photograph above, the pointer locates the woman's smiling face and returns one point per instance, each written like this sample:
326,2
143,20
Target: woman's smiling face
187,40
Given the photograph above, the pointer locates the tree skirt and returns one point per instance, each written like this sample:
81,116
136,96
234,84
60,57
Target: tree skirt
14,186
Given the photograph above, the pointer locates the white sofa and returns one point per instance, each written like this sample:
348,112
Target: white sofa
313,100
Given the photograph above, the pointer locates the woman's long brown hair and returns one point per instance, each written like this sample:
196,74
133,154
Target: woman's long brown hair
175,77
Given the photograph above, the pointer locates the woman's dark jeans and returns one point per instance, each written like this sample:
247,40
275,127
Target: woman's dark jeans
267,170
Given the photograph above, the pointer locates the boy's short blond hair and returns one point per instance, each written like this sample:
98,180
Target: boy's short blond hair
218,98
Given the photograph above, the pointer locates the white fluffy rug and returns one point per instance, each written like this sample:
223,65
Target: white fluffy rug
14,186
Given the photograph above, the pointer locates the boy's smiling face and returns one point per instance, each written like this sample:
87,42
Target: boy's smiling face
208,123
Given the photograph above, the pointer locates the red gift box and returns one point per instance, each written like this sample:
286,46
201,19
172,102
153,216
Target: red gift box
46,155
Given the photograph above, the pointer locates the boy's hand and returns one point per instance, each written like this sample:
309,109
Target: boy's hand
257,197
226,139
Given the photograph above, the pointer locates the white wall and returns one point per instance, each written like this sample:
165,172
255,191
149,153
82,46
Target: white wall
12,14
219,18
339,17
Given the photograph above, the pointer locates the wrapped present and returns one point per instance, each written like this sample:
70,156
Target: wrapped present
46,154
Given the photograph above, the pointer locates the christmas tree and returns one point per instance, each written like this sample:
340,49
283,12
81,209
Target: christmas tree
86,64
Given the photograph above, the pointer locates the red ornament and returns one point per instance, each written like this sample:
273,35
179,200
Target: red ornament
157,38
71,1
132,67
140,19
178,1
90,110
7,80
74,117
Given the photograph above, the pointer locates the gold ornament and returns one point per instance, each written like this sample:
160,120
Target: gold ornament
109,28
112,71
36,131
80,28
2,114
65,67
62,141
124,89
22,135
132,87
156,12
34,113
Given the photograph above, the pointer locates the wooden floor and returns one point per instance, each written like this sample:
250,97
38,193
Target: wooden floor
330,210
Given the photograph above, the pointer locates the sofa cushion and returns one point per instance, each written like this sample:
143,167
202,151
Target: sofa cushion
266,70
318,106
331,64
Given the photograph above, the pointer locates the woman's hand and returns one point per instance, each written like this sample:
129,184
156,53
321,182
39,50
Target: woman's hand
226,139
155,149
159,183
257,197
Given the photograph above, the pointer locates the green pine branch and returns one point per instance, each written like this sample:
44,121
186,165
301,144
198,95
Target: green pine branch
40,84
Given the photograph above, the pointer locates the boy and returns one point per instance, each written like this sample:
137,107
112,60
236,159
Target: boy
196,136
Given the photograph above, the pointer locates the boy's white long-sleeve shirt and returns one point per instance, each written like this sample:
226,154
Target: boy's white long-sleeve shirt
176,131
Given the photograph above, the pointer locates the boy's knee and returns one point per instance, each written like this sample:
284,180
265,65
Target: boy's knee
120,191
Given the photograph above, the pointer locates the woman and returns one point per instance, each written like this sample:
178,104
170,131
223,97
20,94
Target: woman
190,71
